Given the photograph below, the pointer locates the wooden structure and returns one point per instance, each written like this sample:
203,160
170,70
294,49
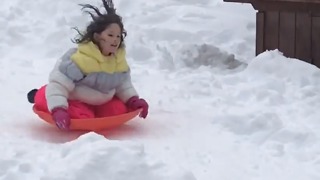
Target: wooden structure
292,26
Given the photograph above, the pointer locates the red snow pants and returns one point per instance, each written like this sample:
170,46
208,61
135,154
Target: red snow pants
80,110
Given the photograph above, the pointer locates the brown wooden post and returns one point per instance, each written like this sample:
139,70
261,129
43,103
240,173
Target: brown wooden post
271,30
287,33
303,37
260,33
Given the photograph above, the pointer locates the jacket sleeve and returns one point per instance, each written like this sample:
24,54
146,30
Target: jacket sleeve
126,90
62,81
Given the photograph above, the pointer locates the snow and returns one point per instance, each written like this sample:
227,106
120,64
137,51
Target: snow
216,110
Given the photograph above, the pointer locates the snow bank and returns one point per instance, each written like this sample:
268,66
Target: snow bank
89,157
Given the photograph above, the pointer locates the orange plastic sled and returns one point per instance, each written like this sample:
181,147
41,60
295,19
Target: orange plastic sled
91,124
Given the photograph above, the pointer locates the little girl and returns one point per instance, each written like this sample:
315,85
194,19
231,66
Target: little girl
92,80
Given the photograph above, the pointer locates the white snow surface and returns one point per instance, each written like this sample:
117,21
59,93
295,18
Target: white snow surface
217,112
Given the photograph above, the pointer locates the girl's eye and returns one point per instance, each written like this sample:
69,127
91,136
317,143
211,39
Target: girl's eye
110,35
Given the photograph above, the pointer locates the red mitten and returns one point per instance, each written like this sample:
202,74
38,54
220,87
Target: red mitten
135,103
61,117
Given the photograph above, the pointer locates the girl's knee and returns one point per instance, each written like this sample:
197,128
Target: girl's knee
112,108
79,110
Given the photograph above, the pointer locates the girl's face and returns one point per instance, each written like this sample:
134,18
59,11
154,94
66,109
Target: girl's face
109,39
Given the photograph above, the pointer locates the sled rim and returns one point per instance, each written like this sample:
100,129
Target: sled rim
91,124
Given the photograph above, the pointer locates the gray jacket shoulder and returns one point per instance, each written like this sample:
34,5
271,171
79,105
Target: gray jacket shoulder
68,54
69,68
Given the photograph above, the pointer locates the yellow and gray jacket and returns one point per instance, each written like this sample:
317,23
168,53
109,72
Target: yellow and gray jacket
86,75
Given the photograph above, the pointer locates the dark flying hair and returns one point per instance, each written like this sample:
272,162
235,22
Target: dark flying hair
100,22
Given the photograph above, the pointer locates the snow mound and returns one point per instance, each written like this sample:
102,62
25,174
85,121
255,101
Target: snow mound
89,157
273,63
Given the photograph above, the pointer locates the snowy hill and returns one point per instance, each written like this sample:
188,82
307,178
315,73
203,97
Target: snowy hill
216,111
